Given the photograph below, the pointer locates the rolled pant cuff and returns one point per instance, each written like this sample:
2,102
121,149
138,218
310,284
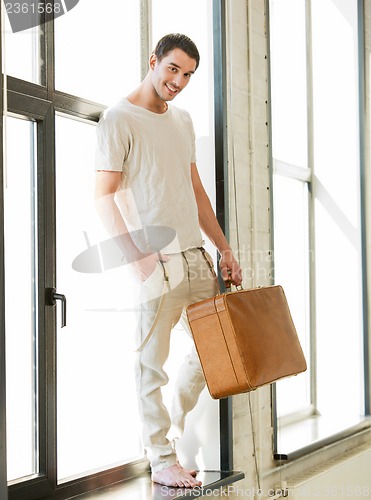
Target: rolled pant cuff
164,464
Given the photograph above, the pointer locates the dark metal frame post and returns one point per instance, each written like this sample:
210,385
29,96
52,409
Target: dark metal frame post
362,107
3,470
221,176
270,159
220,114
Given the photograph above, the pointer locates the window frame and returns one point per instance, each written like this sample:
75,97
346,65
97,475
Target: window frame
3,470
305,175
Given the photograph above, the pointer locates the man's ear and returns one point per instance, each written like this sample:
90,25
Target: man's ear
152,61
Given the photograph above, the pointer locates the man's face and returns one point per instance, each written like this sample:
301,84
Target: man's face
172,74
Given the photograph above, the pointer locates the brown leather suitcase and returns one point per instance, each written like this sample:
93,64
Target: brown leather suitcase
245,339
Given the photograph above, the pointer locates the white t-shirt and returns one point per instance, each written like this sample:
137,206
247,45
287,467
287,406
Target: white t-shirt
154,153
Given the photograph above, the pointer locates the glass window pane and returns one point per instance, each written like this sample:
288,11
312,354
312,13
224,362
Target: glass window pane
202,429
22,51
288,81
291,269
337,208
20,300
97,49
98,423
198,97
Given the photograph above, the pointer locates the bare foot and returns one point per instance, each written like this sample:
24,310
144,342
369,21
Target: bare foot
177,476
193,472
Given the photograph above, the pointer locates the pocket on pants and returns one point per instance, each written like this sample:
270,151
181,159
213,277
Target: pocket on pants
209,262
153,274
153,286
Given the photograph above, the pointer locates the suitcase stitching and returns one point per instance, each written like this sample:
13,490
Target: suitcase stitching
226,343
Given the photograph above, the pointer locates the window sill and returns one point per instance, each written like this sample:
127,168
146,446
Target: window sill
142,488
297,439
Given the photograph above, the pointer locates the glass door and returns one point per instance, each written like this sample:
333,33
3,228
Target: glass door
21,329
29,320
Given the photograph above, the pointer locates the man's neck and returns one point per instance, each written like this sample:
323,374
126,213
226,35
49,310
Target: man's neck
145,97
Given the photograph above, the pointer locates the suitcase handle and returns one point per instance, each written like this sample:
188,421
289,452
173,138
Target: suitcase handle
228,286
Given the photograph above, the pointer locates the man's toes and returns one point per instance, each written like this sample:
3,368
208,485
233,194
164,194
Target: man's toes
176,476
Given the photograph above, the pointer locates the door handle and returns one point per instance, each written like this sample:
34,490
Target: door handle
52,297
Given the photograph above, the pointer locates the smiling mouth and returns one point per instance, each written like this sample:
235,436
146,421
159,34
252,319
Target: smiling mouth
172,89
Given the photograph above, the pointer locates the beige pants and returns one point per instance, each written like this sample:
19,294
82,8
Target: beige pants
190,279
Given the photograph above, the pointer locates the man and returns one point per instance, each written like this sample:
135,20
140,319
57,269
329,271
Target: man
146,150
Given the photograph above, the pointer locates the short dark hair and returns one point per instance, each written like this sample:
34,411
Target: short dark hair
177,41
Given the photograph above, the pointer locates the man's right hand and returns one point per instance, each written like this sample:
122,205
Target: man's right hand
146,264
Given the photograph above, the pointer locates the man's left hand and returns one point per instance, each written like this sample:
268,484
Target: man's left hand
230,268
